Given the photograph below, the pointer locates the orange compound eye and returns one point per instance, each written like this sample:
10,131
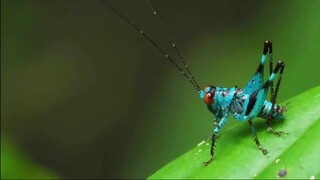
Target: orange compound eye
208,98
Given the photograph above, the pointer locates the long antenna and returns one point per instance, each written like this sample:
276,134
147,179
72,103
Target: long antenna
152,42
171,41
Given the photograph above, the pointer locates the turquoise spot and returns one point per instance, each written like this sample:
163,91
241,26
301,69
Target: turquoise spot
207,89
202,94
263,59
272,77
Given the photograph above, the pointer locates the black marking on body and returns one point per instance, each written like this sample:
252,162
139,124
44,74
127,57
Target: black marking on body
252,102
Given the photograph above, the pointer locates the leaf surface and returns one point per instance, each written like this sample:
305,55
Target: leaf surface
237,156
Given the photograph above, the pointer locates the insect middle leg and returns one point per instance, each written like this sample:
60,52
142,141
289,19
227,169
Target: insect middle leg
255,137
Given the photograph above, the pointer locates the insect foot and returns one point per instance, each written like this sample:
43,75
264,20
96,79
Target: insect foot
264,151
208,162
277,133
284,108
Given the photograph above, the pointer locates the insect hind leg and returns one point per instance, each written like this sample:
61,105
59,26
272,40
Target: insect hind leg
257,79
261,94
266,48
269,45
280,66
273,100
274,97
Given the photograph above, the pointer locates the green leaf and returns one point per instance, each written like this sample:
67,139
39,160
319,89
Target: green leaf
16,165
237,156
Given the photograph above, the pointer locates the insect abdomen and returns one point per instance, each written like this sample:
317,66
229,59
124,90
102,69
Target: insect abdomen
275,113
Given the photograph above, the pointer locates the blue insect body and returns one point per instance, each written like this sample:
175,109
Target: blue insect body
245,104
235,101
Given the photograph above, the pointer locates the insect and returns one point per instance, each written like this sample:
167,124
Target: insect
244,104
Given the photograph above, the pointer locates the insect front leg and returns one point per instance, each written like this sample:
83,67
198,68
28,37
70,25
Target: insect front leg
216,130
213,141
255,137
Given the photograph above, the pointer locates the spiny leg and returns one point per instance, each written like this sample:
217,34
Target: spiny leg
269,45
216,130
271,130
273,101
255,137
281,65
274,97
213,141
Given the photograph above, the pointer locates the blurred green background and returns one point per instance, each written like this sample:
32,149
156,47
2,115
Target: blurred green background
83,95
